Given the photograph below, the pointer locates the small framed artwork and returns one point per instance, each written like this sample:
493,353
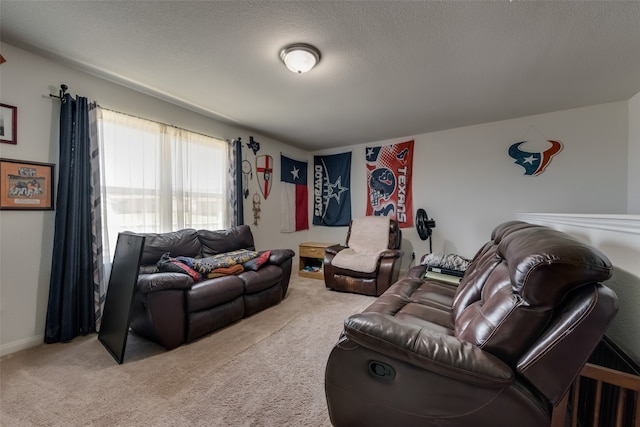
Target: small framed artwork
26,185
8,124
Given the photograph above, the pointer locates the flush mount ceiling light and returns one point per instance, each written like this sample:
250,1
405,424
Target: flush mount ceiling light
300,57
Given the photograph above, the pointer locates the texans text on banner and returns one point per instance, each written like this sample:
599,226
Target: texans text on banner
389,169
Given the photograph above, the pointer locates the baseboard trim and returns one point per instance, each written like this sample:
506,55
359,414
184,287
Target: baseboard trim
22,344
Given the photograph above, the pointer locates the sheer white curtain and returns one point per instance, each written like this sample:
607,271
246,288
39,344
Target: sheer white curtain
159,178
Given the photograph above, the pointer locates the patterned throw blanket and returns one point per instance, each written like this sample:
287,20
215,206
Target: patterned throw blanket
226,260
229,263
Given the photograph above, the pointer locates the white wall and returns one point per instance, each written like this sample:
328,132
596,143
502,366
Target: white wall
466,181
634,155
26,243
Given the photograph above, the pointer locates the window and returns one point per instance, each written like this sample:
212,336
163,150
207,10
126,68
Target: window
158,178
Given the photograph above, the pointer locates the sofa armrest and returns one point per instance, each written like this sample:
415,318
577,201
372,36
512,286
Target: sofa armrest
392,254
279,256
431,350
332,250
162,281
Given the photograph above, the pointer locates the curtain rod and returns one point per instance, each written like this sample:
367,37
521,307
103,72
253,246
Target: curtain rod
166,124
63,91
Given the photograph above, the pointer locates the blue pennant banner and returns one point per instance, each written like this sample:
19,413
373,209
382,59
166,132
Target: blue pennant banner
332,190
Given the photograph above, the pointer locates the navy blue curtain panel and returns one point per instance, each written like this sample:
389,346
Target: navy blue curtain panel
238,182
70,311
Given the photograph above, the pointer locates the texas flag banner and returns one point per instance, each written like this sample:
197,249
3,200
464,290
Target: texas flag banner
294,212
331,189
389,182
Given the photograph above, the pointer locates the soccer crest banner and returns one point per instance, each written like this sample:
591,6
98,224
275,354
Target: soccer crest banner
389,169
331,189
294,211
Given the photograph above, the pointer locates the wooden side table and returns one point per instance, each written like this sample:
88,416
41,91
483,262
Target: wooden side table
311,259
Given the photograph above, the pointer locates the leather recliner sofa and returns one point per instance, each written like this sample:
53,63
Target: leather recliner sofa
499,350
171,308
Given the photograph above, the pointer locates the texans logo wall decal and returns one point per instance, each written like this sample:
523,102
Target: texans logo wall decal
534,163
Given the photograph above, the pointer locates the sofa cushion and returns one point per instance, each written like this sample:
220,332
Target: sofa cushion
212,292
256,281
221,241
210,319
410,299
184,242
261,300
346,274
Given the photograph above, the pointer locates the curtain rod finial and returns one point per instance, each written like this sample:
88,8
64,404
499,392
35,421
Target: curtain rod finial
61,92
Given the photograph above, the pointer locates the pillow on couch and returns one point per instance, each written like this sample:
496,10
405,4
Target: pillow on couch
257,262
172,265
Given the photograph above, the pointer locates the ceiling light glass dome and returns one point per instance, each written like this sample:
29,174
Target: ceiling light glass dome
300,57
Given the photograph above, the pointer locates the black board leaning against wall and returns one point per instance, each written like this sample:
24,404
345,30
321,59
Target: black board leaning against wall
117,306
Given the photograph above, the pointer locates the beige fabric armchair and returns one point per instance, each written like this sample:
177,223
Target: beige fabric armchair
360,278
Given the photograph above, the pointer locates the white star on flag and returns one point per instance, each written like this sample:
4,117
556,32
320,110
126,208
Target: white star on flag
294,172
369,152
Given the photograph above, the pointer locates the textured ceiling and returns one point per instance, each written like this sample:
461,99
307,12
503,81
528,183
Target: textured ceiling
389,68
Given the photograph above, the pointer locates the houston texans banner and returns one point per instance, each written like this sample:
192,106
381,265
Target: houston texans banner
294,212
534,163
389,182
331,189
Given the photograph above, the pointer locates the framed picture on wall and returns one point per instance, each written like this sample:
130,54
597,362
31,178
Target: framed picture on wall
26,185
8,124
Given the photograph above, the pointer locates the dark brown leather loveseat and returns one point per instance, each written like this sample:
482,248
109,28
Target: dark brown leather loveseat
500,350
171,308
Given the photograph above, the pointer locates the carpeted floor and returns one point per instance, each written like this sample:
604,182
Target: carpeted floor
266,370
